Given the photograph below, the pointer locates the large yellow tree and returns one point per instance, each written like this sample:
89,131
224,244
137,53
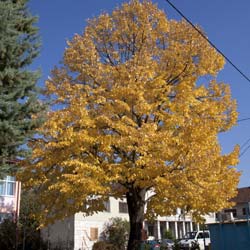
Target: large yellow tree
138,110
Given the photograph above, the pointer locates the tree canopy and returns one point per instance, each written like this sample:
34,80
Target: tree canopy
19,105
138,108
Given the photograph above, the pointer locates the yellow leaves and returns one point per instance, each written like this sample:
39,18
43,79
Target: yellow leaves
121,106
188,46
103,121
141,18
131,111
232,158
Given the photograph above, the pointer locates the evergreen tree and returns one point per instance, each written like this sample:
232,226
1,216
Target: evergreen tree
19,104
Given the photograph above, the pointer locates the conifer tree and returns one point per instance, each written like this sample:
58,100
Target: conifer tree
19,105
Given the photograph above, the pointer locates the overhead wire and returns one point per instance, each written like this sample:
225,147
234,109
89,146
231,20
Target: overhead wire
243,147
211,43
226,58
244,151
245,143
244,119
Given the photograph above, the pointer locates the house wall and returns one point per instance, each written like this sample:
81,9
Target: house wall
85,231
9,203
242,210
178,224
239,211
84,226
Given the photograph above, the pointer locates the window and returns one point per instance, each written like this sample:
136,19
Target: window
200,236
206,235
107,206
123,207
203,235
93,233
2,187
190,235
233,211
151,230
245,211
7,186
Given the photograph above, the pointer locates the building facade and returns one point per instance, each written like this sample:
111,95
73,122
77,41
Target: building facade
240,210
231,230
9,198
80,233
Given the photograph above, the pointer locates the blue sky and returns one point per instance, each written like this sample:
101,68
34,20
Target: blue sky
226,22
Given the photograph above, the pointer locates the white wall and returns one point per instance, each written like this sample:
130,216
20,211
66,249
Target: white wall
84,224
77,228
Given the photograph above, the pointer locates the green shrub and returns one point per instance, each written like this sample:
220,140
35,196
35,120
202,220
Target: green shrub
116,232
169,235
103,245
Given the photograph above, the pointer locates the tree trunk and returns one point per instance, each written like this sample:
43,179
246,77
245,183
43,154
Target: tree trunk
136,204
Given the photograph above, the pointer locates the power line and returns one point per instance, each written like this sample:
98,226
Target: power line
211,43
244,119
226,58
245,150
243,147
245,143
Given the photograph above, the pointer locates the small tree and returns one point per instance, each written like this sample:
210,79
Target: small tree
103,245
116,232
24,234
28,225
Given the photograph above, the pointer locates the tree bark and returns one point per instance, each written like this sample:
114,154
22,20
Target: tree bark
136,205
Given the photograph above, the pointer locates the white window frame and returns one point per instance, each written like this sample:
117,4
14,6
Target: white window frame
7,180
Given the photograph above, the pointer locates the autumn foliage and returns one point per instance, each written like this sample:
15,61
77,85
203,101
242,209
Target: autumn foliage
137,109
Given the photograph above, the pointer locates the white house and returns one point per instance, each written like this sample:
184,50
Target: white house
80,233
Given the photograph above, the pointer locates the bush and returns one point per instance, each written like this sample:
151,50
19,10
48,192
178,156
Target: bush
169,235
103,245
116,232
145,246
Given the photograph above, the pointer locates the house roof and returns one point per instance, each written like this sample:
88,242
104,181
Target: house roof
243,195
